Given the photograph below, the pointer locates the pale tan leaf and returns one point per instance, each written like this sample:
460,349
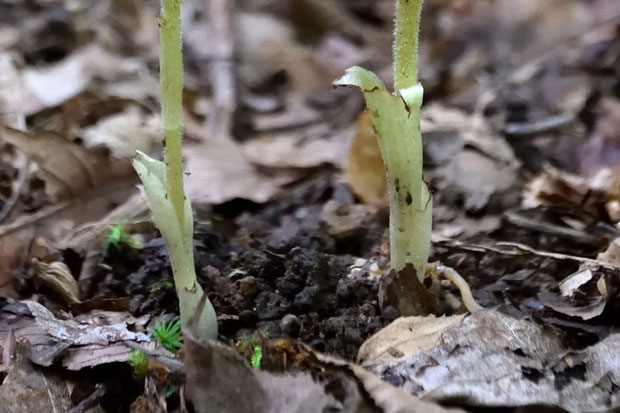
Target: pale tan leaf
68,168
219,172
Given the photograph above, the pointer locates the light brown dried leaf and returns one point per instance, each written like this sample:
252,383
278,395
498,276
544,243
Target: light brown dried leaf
219,172
67,168
27,389
365,171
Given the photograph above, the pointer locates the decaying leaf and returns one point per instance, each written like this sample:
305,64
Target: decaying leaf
602,150
219,380
49,86
68,169
125,132
296,151
490,359
85,341
570,284
218,172
58,277
405,336
454,128
27,389
582,196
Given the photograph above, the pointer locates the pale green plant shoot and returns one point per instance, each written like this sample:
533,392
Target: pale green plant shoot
396,119
163,181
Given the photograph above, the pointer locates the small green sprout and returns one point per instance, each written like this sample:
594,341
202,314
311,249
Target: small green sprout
396,119
251,348
163,181
139,362
171,390
169,334
161,285
118,238
257,354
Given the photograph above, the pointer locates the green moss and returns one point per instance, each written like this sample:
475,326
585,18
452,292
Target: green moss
168,334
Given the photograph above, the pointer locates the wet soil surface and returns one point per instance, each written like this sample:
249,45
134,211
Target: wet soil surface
275,269
280,270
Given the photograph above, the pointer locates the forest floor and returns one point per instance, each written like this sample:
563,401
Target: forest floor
521,130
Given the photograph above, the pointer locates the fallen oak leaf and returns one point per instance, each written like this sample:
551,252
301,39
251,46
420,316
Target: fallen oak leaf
219,172
67,168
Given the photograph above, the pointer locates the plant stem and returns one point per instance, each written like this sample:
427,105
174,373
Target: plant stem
408,13
410,200
171,73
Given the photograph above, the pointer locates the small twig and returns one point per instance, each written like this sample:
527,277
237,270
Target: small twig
552,229
27,220
523,250
92,400
522,129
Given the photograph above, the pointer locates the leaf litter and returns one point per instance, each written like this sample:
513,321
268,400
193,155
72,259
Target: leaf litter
520,140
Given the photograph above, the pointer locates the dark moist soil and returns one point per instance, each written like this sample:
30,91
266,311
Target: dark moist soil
276,269
273,269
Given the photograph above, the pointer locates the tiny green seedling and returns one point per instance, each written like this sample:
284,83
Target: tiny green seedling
171,391
161,285
117,238
163,181
396,120
252,348
139,362
257,354
168,334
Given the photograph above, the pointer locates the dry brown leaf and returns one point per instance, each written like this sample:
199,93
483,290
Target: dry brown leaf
473,129
346,221
593,307
404,336
560,189
477,180
218,172
19,238
27,389
365,170
267,46
68,169
490,359
218,379
78,333
58,277
77,358
570,284
125,132
296,151
88,340
49,86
